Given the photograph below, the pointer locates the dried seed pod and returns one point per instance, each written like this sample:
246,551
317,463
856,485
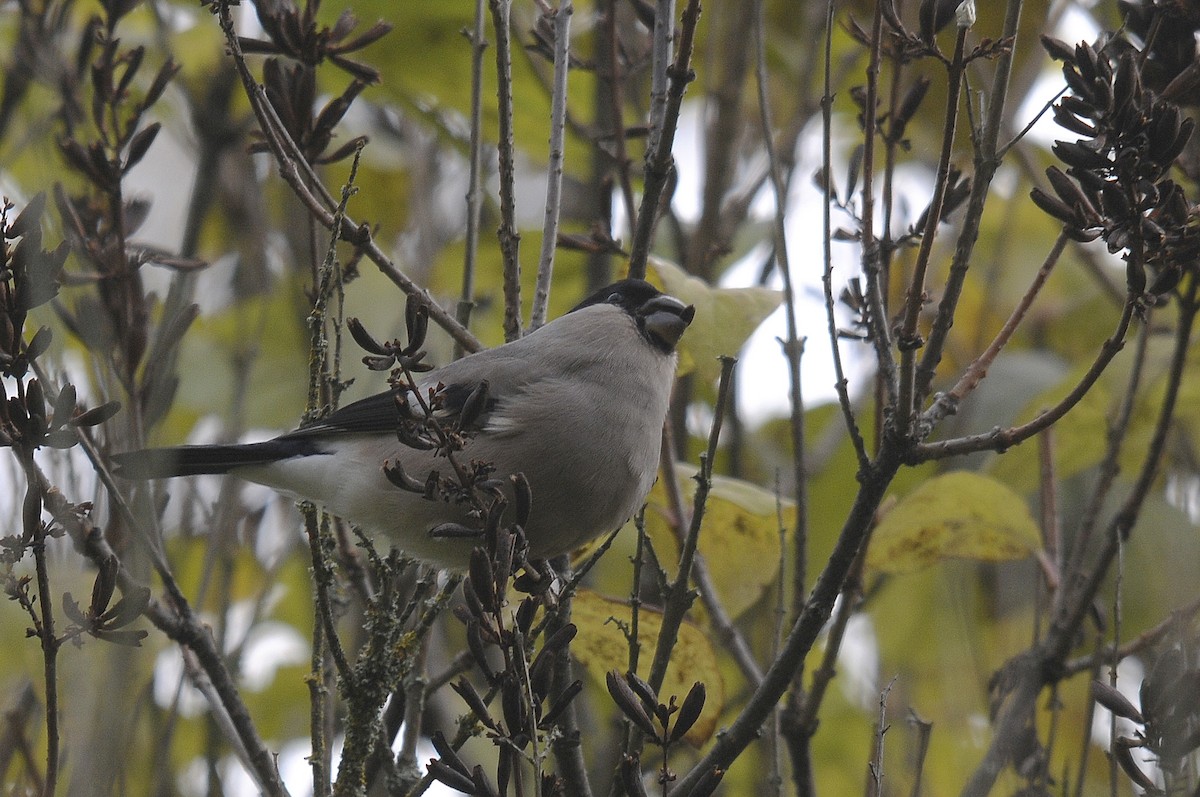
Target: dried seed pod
1081,236
478,652
483,788
1087,60
1164,127
443,773
522,498
38,344
1102,95
1114,701
1167,155
448,755
908,107
689,711
526,612
96,415
1133,771
1058,49
475,405
1071,194
1080,155
512,702
1055,207
560,704
394,472
1070,121
35,400
364,338
474,606
1114,202
139,145
473,700
1077,106
416,323
629,703
483,579
1127,87
453,531
64,404
644,691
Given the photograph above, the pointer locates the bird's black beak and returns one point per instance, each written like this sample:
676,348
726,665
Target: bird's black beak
665,318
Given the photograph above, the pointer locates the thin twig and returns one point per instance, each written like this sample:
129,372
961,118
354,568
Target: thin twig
566,744
908,339
875,767
727,631
745,727
659,161
877,318
616,75
793,345
987,161
474,196
1146,639
841,384
510,238
558,114
679,595
1002,439
947,403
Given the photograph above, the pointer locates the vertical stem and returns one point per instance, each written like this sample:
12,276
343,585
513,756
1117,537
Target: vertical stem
36,532
510,239
840,384
881,335
986,164
909,341
558,119
659,161
475,187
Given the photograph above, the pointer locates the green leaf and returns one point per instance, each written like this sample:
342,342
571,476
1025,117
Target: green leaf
725,317
958,515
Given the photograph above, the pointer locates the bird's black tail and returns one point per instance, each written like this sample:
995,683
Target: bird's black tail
161,463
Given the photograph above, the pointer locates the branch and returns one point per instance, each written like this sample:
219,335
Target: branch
986,163
510,238
1002,439
558,116
746,726
947,403
908,339
475,181
300,177
659,161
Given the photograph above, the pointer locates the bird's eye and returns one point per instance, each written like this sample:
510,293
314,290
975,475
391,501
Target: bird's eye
613,298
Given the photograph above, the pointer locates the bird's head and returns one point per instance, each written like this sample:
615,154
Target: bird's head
660,318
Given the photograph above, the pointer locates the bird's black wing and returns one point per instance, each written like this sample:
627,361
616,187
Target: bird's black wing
378,414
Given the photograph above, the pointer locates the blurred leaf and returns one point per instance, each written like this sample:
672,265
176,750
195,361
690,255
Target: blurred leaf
725,317
739,538
601,646
959,515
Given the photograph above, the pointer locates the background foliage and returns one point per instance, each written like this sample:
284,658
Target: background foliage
1012,562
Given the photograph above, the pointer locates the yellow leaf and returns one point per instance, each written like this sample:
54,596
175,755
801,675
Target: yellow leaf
725,317
959,515
601,646
739,537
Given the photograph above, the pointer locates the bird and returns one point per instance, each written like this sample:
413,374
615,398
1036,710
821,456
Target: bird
576,407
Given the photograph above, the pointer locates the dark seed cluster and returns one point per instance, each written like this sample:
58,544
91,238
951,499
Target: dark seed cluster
1115,185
